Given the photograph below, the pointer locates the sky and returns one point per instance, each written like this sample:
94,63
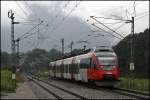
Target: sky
70,20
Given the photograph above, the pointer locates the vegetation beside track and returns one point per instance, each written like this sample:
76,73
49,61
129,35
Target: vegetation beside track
8,85
135,84
43,73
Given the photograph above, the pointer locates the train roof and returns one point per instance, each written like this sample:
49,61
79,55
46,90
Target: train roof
101,48
85,53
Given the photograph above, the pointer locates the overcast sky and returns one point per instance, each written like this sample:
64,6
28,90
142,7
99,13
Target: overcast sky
68,20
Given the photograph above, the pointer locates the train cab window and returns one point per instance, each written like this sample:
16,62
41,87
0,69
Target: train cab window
85,63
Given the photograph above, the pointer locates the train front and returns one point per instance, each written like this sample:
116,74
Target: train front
107,66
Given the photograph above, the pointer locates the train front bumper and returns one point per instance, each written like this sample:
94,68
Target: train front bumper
113,83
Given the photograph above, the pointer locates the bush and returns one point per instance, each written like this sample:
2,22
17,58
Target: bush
135,84
7,84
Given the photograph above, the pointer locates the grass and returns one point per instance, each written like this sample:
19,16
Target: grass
135,84
7,84
44,73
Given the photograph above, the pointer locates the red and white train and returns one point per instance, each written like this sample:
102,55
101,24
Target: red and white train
99,66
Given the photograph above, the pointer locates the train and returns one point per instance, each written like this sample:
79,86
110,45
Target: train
99,66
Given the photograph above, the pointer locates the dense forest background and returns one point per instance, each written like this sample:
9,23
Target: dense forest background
38,59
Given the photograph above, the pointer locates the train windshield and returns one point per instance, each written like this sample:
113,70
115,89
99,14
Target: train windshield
106,58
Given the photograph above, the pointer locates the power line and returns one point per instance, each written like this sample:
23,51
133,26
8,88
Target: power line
35,15
142,13
109,18
53,19
137,18
66,16
108,27
106,31
33,33
31,29
113,23
120,26
116,8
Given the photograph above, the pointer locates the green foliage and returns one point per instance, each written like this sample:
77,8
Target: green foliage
7,84
141,55
43,73
135,84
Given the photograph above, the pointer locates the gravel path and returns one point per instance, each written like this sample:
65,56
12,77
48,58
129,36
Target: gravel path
23,91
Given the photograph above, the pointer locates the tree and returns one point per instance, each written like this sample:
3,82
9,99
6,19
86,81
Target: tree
141,54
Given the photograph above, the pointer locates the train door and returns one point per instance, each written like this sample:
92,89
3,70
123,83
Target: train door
84,65
91,70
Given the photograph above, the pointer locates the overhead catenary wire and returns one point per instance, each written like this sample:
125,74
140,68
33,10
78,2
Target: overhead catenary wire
137,18
123,6
57,14
106,31
64,18
26,3
30,29
108,27
52,20
34,32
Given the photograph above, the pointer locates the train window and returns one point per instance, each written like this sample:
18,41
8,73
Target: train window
72,67
85,63
57,68
106,54
69,68
65,69
61,69
75,68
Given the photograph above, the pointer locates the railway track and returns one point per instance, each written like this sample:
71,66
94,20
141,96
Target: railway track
51,92
134,94
130,93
